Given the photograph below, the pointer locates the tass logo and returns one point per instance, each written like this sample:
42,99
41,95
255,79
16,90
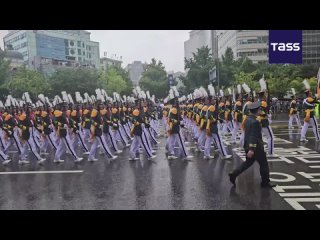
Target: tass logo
285,46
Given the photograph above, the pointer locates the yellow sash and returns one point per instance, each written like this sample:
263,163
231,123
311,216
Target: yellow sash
244,121
291,111
308,111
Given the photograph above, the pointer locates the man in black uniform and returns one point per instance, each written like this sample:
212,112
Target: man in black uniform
253,146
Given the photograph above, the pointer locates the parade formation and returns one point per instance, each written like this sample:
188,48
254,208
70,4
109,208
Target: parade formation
109,124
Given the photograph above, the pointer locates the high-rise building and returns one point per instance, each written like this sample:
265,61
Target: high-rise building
47,50
106,62
198,39
15,58
311,46
245,43
135,70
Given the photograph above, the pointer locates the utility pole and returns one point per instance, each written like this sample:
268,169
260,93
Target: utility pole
215,55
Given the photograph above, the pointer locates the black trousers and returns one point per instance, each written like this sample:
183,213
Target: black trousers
261,158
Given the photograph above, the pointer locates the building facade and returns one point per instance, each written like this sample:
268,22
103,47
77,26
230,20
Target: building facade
245,43
198,39
135,70
105,63
15,58
311,46
50,47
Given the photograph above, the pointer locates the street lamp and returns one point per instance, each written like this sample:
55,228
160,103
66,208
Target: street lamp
217,57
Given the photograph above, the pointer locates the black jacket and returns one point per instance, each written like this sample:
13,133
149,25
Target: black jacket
137,128
253,136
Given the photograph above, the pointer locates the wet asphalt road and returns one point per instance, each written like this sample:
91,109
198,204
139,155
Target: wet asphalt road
159,184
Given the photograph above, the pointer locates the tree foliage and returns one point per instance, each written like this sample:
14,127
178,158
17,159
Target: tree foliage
154,79
198,69
281,77
72,80
27,81
111,81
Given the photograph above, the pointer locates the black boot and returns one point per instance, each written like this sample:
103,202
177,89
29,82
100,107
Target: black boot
232,178
268,185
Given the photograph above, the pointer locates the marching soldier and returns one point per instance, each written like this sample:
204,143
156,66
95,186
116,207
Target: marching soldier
245,112
86,121
75,123
124,121
237,118
147,128
202,128
213,133
174,133
228,124
136,133
117,133
107,130
96,131
264,119
293,111
309,117
47,131
9,125
221,111
62,123
24,125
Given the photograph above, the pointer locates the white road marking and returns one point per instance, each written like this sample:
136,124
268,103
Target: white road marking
280,189
304,194
316,166
40,172
294,202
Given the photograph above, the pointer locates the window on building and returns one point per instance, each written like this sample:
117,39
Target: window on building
83,53
72,43
83,45
89,55
70,58
79,51
79,44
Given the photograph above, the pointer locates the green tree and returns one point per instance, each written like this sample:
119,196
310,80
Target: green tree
279,86
227,58
247,78
297,85
198,68
4,69
4,75
154,79
125,76
313,83
112,81
73,80
27,81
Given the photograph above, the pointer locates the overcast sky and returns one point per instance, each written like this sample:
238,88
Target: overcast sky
141,45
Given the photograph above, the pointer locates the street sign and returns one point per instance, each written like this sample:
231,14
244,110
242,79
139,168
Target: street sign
213,75
170,79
